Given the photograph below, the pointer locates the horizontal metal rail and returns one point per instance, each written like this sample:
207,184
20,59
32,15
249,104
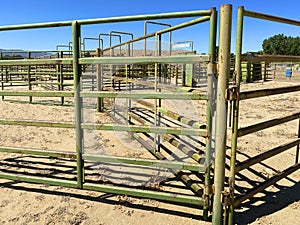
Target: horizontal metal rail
108,60
111,127
170,197
271,18
34,51
49,83
145,95
147,16
146,162
183,25
56,154
23,83
32,73
37,123
268,154
15,82
159,85
37,93
35,26
106,94
109,20
39,102
267,92
270,58
30,62
40,180
147,129
144,59
265,184
266,124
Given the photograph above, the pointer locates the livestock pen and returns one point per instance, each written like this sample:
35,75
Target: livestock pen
158,98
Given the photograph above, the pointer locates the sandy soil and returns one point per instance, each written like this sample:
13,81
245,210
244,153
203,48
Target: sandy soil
23,203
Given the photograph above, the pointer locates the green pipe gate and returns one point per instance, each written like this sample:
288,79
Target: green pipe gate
214,195
236,97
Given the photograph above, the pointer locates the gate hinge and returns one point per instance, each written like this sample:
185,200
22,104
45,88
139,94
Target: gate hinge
208,189
212,69
227,198
232,94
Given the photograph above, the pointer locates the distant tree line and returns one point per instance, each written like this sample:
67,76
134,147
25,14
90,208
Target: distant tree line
282,45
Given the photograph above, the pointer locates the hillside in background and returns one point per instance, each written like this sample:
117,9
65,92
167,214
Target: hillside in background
23,53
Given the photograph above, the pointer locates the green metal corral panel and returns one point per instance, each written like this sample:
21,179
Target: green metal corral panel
188,81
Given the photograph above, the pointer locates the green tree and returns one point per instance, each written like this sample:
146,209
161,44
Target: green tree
281,45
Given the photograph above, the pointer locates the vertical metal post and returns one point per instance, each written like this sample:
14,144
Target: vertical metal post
6,74
210,107
58,73
83,45
238,71
176,75
221,119
213,35
93,78
158,104
298,146
145,41
77,102
61,77
249,73
29,77
2,77
129,70
156,66
128,101
265,72
100,41
99,82
111,72
113,67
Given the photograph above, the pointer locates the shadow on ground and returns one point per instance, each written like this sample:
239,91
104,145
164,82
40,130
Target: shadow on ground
272,202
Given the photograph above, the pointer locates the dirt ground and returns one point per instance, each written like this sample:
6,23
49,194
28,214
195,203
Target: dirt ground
23,203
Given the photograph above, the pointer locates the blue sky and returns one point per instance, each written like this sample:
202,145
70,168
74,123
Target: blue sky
24,12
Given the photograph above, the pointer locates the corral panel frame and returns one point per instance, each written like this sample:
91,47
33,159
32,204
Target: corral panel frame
204,197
